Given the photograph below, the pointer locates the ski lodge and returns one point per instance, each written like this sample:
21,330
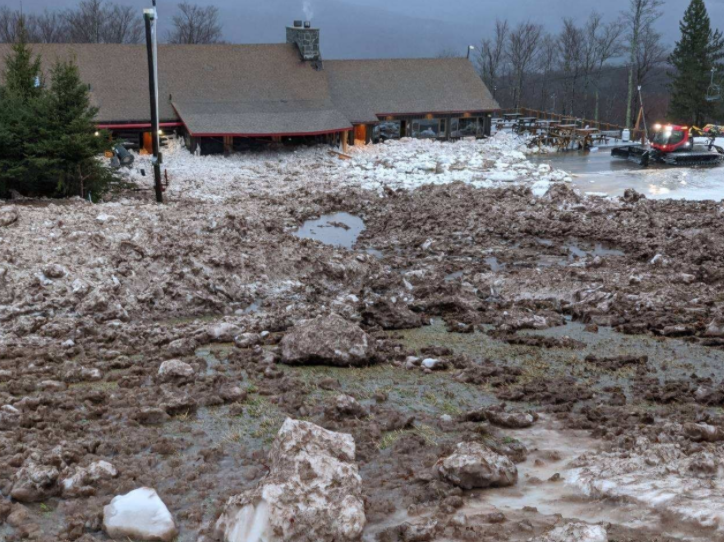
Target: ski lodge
221,97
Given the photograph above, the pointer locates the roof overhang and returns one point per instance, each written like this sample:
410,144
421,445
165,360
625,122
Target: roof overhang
261,118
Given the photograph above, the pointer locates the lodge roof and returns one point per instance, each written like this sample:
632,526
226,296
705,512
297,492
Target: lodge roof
264,89
366,89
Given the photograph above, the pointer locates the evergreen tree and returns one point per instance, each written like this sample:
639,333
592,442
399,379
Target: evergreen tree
23,86
64,155
699,50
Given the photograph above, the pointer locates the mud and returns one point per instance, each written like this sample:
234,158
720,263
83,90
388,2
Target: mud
603,317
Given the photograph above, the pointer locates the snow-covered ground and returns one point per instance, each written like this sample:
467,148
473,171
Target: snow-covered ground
406,163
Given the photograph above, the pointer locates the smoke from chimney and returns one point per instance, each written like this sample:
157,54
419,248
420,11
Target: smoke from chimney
308,10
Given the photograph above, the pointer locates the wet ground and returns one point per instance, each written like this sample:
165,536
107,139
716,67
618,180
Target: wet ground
596,172
603,317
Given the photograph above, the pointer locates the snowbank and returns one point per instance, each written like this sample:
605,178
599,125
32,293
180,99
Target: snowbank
406,164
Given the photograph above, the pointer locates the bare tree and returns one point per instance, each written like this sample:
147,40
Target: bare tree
547,61
195,25
570,45
448,53
86,23
521,50
10,25
600,43
51,27
123,25
95,21
492,56
639,20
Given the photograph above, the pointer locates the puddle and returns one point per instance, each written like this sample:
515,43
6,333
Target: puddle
494,264
338,229
576,249
452,276
251,309
551,450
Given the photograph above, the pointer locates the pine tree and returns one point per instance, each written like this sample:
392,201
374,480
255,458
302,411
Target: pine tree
699,50
64,155
23,76
23,86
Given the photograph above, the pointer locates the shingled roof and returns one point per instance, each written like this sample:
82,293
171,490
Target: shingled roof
264,89
366,89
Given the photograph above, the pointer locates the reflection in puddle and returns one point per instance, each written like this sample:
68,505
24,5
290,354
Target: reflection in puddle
338,229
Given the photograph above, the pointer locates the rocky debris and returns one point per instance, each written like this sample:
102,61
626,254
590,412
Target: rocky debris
82,482
35,482
327,340
139,515
702,432
390,314
575,532
715,329
175,370
432,364
346,406
151,416
510,420
247,340
233,394
223,332
615,363
474,465
54,271
10,417
313,479
8,216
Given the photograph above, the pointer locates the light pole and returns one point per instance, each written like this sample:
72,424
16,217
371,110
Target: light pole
150,17
470,48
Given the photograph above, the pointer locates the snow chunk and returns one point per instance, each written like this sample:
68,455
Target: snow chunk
140,514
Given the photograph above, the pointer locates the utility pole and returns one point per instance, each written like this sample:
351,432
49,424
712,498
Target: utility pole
150,18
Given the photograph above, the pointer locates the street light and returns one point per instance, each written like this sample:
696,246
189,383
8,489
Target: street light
470,48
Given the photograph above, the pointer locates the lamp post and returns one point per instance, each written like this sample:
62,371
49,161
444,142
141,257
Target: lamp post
470,48
150,17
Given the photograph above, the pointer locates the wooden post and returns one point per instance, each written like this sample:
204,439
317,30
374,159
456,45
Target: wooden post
228,145
345,140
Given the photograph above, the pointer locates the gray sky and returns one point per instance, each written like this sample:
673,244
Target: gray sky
397,28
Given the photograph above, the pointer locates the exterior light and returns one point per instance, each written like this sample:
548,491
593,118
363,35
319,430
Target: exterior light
97,134
160,132
657,127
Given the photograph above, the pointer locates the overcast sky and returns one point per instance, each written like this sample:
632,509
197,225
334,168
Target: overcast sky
396,28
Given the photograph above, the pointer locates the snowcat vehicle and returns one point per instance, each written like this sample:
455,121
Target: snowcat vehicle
676,146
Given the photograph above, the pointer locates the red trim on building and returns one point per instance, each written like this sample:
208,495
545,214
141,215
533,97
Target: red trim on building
138,126
300,134
472,112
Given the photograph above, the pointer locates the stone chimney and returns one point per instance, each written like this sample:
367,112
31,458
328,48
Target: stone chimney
306,39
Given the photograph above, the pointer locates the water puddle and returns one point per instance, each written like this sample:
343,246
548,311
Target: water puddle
575,250
494,264
338,229
542,485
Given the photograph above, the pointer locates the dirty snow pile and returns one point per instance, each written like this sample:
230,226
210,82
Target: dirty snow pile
659,477
406,164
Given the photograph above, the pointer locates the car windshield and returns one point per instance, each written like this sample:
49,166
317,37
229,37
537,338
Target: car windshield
669,137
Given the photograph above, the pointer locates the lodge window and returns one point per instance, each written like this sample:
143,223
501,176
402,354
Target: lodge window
428,128
466,127
387,130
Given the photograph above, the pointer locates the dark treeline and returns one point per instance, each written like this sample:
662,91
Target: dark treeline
593,69
589,69
102,21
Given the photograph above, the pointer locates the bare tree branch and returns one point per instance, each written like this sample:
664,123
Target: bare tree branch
195,25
